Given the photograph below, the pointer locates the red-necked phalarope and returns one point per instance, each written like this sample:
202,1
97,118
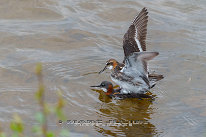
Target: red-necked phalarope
108,89
132,78
132,74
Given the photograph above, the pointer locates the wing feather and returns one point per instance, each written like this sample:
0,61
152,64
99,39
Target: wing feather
134,38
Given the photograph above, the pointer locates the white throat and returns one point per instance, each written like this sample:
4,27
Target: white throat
110,67
104,89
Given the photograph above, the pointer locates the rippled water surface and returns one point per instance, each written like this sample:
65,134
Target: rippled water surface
73,39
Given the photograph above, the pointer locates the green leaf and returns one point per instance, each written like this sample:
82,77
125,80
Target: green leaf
39,92
47,108
17,125
60,114
50,134
38,68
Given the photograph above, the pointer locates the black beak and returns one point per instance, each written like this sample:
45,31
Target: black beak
103,69
95,86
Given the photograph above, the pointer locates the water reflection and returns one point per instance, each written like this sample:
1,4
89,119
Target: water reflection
132,116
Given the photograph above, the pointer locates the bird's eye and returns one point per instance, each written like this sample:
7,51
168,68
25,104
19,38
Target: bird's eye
107,63
103,85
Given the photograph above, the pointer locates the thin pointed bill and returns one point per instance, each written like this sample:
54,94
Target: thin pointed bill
95,86
103,69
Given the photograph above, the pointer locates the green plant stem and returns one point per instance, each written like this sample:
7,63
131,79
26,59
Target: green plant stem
42,103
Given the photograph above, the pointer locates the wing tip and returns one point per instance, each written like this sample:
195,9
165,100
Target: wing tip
145,10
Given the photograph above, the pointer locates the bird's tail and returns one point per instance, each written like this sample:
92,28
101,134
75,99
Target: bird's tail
153,78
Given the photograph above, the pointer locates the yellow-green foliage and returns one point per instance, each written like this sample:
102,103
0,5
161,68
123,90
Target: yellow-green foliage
17,125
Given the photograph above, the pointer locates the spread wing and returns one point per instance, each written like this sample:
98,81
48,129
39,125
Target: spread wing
137,62
134,38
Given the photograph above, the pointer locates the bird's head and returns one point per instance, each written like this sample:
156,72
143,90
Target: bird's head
106,86
110,64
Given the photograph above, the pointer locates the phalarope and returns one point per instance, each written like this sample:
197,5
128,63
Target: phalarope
108,89
132,75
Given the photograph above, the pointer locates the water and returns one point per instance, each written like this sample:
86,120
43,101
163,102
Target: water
73,40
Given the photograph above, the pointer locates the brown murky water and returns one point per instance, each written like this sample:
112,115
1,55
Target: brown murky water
73,39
